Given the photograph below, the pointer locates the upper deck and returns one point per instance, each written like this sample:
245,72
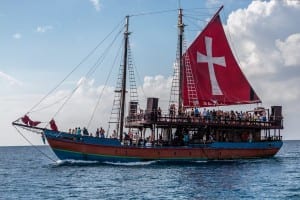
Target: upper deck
165,121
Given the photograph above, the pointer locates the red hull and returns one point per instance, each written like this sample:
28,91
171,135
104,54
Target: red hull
160,153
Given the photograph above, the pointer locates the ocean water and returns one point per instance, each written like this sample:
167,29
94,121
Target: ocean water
26,174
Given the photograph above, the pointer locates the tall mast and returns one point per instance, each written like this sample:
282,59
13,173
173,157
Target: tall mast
123,90
180,38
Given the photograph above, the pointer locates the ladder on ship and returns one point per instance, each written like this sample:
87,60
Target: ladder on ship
175,80
191,87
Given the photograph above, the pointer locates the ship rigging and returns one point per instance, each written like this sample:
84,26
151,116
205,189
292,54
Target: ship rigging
192,128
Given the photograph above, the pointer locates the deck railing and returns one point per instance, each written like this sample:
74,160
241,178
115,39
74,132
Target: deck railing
201,120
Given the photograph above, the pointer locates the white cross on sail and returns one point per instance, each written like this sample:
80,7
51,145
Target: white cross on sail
210,60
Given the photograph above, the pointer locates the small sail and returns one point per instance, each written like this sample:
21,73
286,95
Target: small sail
26,120
217,76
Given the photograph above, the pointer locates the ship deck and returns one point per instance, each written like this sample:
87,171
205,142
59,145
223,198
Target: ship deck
196,122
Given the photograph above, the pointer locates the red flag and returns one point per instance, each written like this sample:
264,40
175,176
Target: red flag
34,123
53,125
25,119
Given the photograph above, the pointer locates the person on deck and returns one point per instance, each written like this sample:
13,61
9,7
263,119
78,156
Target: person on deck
197,112
97,132
158,112
78,131
204,114
102,132
85,131
114,135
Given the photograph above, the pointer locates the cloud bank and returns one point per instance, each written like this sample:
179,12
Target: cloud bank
266,39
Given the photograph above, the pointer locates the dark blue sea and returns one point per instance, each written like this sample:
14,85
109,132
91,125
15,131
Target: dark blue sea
26,174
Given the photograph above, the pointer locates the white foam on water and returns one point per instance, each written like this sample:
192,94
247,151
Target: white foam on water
141,163
200,161
74,162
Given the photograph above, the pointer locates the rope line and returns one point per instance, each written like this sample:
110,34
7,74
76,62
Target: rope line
48,106
152,12
35,147
105,85
74,69
88,74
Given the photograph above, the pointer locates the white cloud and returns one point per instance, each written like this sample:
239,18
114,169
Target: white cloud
78,110
17,36
96,4
288,48
157,86
294,3
9,79
43,29
11,108
266,38
255,30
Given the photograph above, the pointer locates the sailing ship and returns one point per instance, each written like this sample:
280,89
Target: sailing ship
207,77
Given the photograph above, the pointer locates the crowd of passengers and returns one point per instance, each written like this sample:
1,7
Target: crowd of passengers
100,132
206,115
220,115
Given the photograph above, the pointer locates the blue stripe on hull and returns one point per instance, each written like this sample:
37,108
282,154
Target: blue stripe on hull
70,155
81,138
247,145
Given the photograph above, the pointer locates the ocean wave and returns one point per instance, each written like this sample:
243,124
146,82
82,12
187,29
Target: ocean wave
59,163
140,163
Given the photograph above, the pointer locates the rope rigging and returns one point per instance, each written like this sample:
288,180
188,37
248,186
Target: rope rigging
35,147
189,14
50,105
153,12
75,68
99,61
67,97
101,93
96,66
90,72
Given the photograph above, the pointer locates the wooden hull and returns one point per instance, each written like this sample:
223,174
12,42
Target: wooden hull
105,152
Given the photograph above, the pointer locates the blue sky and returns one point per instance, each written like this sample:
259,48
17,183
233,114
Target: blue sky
70,29
41,41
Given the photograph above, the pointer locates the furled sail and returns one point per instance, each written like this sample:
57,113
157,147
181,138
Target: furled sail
216,75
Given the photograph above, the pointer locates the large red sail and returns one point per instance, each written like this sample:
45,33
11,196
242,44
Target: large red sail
216,75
